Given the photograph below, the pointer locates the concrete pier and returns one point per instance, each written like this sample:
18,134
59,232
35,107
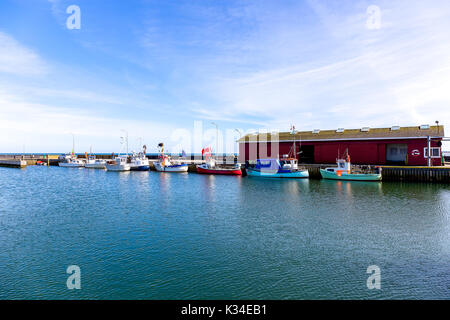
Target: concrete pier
12,163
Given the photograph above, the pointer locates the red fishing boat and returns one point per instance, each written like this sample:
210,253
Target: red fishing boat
210,167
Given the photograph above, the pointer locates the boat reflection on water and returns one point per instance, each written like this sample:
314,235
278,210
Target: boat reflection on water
348,188
209,187
294,187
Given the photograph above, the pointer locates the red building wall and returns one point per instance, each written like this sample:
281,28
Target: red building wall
361,152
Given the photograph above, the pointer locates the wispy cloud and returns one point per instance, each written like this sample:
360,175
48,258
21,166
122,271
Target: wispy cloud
266,64
19,60
397,74
48,128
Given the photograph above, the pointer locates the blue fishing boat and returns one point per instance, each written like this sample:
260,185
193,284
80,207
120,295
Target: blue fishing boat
277,168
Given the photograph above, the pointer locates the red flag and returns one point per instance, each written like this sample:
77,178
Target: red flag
206,152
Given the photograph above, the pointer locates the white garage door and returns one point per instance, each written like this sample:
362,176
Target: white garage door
396,152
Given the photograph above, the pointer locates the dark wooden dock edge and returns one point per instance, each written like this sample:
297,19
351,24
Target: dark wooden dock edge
416,174
396,173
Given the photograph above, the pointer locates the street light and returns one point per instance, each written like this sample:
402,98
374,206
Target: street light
240,136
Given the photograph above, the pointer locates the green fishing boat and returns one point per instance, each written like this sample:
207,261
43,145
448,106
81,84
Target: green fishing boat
343,171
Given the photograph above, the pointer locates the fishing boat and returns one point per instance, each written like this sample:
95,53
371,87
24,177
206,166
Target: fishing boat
166,164
70,161
120,163
286,167
277,168
138,161
343,171
93,163
211,166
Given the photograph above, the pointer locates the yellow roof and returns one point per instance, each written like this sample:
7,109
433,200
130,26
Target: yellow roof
372,133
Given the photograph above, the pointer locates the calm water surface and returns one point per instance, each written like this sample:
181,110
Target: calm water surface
149,235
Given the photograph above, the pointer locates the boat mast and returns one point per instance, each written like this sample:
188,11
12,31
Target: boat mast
217,137
294,146
73,143
126,139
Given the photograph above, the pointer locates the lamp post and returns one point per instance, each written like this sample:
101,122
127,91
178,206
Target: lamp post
240,136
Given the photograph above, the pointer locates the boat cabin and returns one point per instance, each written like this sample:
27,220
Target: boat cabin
342,166
267,164
289,163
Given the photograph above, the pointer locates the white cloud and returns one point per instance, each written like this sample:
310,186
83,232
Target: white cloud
45,128
396,75
19,60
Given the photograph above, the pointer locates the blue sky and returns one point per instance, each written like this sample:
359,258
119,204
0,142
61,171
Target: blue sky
153,68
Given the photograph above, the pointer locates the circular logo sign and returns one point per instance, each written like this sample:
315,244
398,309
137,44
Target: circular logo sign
415,152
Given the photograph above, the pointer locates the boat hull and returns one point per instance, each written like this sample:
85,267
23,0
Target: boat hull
95,166
300,174
70,165
350,177
140,168
171,168
117,168
222,171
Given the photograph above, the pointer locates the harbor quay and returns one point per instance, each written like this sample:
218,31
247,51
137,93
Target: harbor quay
434,174
390,154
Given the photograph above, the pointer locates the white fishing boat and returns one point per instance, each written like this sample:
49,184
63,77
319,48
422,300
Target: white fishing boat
343,171
70,161
120,163
93,163
166,164
138,161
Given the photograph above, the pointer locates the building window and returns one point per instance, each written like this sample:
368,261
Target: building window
435,152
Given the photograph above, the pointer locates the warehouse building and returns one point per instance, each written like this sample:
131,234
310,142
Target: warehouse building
378,146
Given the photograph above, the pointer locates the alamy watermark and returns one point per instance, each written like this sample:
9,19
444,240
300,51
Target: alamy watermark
374,280
373,21
74,280
74,20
